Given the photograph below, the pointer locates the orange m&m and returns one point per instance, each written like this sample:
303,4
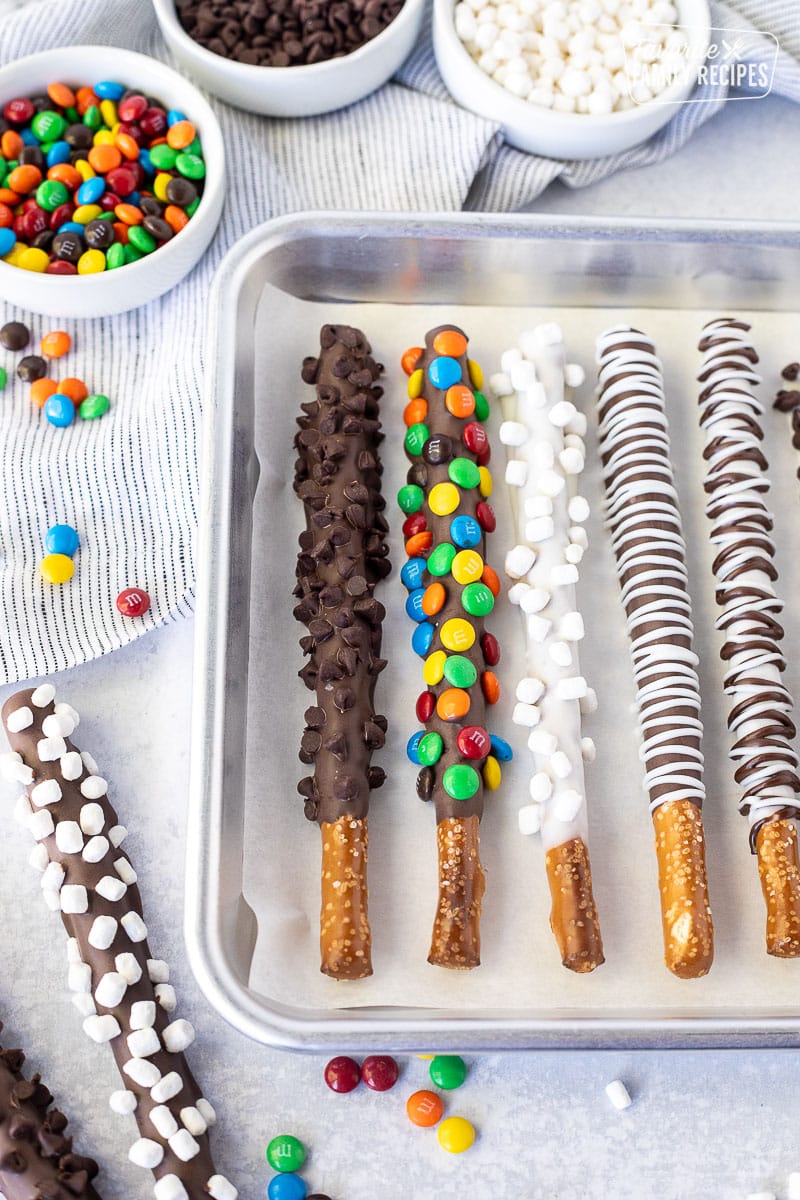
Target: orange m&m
491,579
450,342
452,705
415,411
433,599
419,543
424,1109
459,400
490,686
410,358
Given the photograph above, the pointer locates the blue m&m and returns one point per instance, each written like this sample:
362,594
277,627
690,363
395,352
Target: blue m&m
444,372
414,607
501,749
412,573
421,638
412,746
62,539
465,532
59,410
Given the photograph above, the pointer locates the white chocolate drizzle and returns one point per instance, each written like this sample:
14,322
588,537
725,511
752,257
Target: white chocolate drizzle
645,523
741,533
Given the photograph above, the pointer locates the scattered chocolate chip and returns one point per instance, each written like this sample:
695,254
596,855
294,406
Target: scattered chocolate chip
785,401
791,372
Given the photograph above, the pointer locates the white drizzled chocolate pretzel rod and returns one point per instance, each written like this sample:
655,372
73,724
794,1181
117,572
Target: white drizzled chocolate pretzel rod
760,704
647,538
120,990
543,434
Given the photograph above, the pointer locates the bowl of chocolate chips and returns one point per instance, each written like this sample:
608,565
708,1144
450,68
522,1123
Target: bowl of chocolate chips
290,58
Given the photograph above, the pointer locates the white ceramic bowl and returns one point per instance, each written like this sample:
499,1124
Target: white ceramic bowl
541,130
136,283
302,91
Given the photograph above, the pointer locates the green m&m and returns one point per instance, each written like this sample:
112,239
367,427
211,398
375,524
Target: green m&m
410,498
429,750
461,781
286,1153
481,406
477,599
48,126
51,194
459,671
416,437
94,406
448,1071
440,558
464,472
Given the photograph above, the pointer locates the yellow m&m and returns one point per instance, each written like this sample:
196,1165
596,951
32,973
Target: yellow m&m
467,567
443,498
457,634
414,384
433,669
485,484
455,1135
492,774
475,374
57,568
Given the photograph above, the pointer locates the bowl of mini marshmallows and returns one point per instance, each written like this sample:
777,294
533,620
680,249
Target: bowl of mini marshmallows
572,79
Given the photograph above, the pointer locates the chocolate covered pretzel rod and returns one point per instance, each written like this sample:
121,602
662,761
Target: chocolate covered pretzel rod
645,523
122,993
342,556
37,1161
760,713
543,433
451,590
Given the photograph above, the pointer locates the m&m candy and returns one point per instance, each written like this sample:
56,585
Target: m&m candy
287,1187
342,1074
286,1153
57,568
461,781
62,539
448,1071
379,1072
424,1108
133,602
456,1134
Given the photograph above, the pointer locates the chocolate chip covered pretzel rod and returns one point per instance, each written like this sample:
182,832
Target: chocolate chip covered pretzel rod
642,510
451,590
543,433
760,714
342,556
122,993
36,1157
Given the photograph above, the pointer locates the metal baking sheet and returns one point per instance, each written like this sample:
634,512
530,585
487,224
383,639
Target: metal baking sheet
251,916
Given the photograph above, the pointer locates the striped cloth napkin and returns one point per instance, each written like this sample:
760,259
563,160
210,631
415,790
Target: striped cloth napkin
129,482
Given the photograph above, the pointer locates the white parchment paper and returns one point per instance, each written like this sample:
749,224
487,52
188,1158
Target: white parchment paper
520,970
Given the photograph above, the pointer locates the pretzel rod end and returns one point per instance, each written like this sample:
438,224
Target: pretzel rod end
345,937
685,910
573,916
779,870
456,941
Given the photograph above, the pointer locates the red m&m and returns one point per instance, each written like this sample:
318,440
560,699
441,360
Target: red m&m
133,602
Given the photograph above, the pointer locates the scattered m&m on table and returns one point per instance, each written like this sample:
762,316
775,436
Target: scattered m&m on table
62,543
342,1074
456,1134
286,1153
133,602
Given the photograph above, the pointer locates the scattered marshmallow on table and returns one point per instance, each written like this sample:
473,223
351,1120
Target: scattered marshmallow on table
618,1094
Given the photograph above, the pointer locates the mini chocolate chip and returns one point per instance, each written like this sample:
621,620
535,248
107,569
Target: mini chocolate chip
374,736
320,629
337,746
425,783
14,1162
311,810
344,698
345,788
791,372
311,742
357,585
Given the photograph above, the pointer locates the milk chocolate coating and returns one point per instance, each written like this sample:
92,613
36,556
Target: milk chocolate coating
343,554
193,1174
36,1157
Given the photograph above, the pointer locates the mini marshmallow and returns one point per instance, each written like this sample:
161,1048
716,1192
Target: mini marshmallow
509,359
84,1004
562,413
73,950
14,769
516,592
574,375
578,425
74,898
579,509
51,748
538,628
79,977
146,1153
123,1102
560,765
589,702
220,1189
588,750
93,787
539,529
793,1186
526,715
522,375
71,765
103,932
169,1187
571,627
178,1036
207,1112
63,709
534,600
92,819
38,857
578,536
143,1043
89,762
58,726
111,889
516,472
560,653
157,970
167,1087
573,554
519,561
183,1145
23,812
571,459
529,690
572,688
96,849
69,838
575,442
117,835
544,457
500,384
52,900
192,1120
41,824
538,506
551,483
542,742
110,990
125,871
540,787
513,433
165,995
143,1014
164,1121
47,792
618,1094
101,1029
567,805
563,574
128,966
143,1072
53,877
134,926
19,719
43,695
770,1195
529,819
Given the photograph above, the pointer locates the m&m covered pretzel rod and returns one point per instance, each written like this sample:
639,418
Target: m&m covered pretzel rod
646,535
122,993
36,1155
543,433
342,556
760,704
451,590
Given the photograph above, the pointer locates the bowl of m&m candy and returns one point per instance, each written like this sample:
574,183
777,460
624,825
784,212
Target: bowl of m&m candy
112,179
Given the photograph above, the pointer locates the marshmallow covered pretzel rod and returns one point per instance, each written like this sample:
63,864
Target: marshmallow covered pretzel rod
122,993
760,713
645,523
342,556
543,433
36,1157
451,590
